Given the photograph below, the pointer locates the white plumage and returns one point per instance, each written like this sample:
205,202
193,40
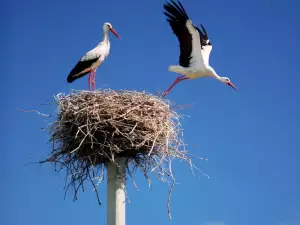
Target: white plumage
195,47
92,59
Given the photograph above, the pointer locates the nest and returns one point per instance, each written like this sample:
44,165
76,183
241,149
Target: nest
94,128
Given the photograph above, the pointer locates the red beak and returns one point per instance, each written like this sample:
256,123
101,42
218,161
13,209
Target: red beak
231,85
114,32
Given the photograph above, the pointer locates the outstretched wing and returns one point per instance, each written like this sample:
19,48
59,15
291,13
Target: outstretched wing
187,34
206,46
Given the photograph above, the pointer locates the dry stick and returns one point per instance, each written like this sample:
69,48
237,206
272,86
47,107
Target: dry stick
169,199
127,197
95,188
79,144
132,178
33,110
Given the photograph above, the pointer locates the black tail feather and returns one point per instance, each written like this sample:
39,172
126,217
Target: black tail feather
73,77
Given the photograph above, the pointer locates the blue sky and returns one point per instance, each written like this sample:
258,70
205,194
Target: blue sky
251,137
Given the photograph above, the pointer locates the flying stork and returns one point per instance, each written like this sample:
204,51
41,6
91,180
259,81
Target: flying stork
93,59
195,47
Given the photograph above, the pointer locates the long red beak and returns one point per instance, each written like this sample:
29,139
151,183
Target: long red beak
231,85
114,32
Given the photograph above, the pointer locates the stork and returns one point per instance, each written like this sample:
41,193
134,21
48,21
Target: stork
93,59
195,47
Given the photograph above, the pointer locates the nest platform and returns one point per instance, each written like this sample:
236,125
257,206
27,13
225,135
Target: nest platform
93,128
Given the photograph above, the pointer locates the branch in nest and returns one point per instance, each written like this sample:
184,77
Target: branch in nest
33,110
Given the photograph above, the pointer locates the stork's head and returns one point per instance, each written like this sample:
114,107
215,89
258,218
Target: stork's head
227,81
108,27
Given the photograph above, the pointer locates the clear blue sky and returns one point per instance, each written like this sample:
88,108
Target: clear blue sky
251,136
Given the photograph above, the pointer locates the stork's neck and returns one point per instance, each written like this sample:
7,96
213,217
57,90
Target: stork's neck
105,37
213,73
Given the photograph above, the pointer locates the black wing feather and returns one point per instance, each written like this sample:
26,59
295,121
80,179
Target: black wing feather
177,18
203,36
80,66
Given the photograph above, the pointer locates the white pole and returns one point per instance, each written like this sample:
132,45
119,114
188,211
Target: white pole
116,198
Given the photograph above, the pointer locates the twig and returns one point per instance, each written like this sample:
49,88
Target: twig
33,110
169,199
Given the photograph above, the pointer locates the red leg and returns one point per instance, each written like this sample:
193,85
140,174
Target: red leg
92,74
178,79
93,80
89,80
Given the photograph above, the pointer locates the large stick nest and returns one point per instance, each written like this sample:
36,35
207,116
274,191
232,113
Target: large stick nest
94,128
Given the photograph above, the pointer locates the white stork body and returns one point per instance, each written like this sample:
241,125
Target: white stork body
195,47
93,58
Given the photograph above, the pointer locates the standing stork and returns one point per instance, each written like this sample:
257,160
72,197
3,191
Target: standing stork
195,47
92,59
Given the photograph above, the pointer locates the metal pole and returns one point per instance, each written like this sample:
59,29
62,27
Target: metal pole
116,198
